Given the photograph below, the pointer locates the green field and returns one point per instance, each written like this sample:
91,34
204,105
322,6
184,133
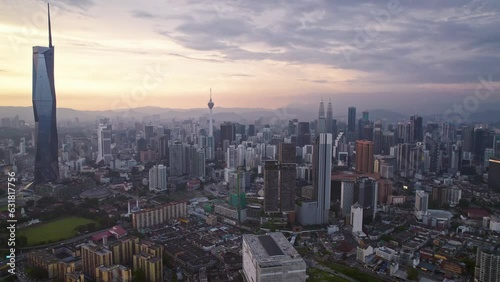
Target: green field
320,275
54,231
3,208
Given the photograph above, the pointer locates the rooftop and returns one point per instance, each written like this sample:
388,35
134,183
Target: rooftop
271,249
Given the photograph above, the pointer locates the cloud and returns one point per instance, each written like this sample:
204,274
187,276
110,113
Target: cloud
423,43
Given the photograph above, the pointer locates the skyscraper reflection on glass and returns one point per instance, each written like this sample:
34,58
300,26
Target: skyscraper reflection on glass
44,108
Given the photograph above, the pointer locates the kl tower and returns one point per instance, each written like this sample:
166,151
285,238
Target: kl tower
210,150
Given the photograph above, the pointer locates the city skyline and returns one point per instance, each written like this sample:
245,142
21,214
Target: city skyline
280,51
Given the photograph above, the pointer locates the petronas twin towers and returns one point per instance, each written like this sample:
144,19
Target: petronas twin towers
44,108
325,125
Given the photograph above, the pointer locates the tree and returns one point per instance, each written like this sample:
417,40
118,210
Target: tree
139,275
412,274
463,203
29,203
37,273
21,241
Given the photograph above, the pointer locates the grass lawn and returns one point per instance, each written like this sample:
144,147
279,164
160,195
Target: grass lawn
320,275
352,272
54,231
3,208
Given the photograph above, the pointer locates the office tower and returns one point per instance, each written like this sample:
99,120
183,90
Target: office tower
198,163
366,194
335,130
148,133
351,119
304,135
271,186
44,109
158,178
22,146
384,190
366,116
378,141
421,203
329,118
271,258
231,157
364,157
163,144
480,144
94,256
176,155
468,139
288,174
346,196
251,130
487,267
389,140
227,131
404,159
104,155
494,174
417,128
367,132
322,175
321,118
356,218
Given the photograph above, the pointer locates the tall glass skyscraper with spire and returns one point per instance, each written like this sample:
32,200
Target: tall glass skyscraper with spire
44,108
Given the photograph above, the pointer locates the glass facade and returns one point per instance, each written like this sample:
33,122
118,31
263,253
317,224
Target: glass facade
44,107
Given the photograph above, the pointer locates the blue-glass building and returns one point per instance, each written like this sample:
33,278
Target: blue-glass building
44,108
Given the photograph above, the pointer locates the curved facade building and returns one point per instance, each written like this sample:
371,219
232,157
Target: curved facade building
44,108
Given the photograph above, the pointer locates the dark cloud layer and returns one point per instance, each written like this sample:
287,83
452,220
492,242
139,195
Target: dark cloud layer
394,41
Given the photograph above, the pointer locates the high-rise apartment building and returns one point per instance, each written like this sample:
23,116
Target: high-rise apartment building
364,157
351,119
271,186
158,178
487,267
94,256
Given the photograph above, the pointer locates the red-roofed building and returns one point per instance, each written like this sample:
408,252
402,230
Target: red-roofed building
476,213
116,231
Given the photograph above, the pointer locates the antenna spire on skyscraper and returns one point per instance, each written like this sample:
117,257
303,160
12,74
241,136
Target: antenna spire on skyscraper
50,30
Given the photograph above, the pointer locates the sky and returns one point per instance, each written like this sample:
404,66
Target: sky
264,54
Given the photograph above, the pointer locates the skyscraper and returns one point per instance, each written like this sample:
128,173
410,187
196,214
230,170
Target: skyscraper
322,174
177,159
356,218
304,135
44,108
104,142
329,118
487,262
494,174
288,173
321,118
227,131
158,178
351,119
364,157
271,186
421,203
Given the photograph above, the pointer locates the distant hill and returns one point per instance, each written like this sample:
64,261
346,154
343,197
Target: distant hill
244,115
